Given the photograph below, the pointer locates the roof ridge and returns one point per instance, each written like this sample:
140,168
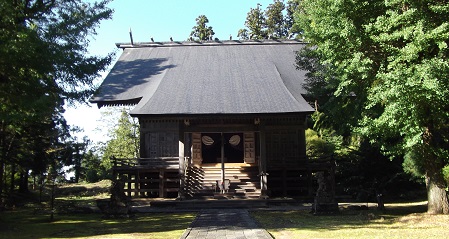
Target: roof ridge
208,43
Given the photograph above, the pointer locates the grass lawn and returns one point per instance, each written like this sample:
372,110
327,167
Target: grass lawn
406,220
25,223
71,221
400,220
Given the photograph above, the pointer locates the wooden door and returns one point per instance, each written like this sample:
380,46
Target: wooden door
249,147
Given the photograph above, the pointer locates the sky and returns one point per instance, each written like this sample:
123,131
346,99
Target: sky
160,19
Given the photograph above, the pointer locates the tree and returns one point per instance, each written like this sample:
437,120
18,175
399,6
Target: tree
388,62
316,146
94,171
76,155
202,32
292,7
243,34
274,20
43,63
255,23
124,142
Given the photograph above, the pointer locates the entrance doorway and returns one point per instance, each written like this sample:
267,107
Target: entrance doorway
211,144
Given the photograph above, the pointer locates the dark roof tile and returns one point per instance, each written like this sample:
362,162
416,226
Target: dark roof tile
207,78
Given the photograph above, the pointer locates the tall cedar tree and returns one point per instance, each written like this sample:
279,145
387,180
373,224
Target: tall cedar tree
44,62
255,23
276,21
202,32
387,66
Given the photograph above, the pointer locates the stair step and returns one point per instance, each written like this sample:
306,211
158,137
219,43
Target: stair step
244,181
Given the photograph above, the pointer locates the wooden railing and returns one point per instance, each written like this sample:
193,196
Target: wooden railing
296,176
160,162
326,162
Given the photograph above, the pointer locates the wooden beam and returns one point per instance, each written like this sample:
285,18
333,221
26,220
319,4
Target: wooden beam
228,128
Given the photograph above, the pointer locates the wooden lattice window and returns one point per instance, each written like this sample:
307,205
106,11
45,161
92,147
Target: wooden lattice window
282,144
162,144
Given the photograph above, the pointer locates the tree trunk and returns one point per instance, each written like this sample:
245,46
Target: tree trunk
2,168
12,179
436,194
23,185
435,182
2,158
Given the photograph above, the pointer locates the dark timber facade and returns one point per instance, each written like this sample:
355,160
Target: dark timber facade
216,118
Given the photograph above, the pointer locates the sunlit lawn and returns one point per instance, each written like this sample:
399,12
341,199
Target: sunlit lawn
401,220
24,223
72,221
398,221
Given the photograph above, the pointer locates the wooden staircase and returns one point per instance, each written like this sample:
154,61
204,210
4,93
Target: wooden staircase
244,182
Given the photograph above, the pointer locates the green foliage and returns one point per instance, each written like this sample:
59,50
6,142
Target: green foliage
124,142
292,7
243,34
43,64
446,173
255,23
202,32
387,66
44,49
316,146
275,22
94,171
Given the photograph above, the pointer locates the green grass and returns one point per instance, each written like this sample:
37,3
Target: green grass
398,221
71,220
26,223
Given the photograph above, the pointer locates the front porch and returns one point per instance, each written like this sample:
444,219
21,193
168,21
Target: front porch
161,178
164,178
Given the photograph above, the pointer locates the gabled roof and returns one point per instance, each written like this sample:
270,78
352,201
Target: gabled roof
192,78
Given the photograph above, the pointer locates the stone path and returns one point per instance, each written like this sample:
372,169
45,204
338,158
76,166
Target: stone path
226,224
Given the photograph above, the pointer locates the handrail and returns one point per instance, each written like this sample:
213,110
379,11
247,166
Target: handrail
143,162
308,162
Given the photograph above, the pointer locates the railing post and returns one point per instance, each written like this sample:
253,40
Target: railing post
263,164
114,171
114,161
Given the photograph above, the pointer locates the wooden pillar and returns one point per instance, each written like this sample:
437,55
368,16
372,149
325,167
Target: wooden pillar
284,180
162,193
142,135
263,163
188,160
137,184
129,184
223,176
302,140
182,163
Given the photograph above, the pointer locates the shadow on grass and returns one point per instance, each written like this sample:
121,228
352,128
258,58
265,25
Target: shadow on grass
24,223
346,219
